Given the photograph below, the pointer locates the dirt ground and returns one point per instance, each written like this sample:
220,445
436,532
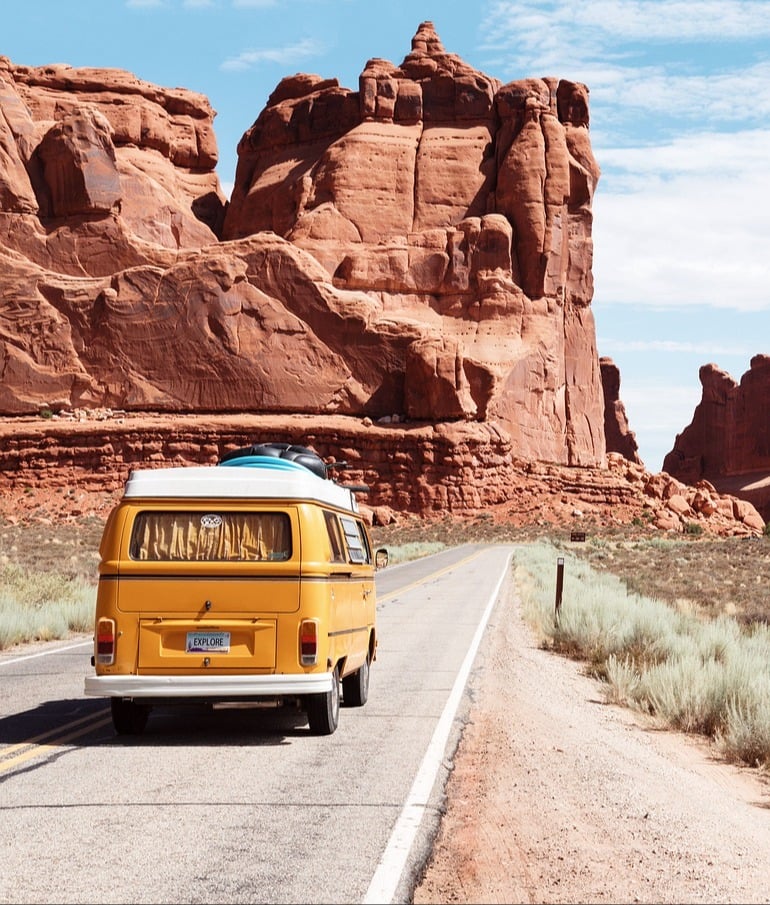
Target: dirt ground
556,796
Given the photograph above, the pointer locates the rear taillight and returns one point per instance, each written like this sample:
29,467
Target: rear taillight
308,642
105,642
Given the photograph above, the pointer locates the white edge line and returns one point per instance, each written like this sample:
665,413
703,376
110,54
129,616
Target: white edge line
45,653
388,874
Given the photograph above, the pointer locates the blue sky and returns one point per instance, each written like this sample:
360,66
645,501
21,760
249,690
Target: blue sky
680,126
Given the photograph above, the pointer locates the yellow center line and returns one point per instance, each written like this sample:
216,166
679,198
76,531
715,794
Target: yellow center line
38,738
96,721
432,575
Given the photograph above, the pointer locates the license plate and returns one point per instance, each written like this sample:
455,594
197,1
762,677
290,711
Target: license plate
208,642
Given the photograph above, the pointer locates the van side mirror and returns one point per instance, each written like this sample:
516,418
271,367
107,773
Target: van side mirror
380,558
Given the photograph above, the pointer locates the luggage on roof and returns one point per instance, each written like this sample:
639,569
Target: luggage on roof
302,455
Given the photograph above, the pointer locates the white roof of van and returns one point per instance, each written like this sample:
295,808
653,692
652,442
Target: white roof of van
269,481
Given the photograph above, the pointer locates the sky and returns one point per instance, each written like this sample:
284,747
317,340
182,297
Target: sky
679,100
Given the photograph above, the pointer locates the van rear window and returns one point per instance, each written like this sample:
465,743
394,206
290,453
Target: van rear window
206,536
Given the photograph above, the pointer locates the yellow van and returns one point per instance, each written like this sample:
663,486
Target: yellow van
247,581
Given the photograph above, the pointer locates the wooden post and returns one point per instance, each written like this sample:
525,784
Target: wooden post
559,585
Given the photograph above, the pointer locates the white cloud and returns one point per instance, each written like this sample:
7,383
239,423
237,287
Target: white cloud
254,4
535,28
677,20
740,95
284,56
742,155
670,251
685,223
660,404
650,71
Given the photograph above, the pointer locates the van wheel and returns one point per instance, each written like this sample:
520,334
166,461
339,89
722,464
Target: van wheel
323,710
128,717
355,687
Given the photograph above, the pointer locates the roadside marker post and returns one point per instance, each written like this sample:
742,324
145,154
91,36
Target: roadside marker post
559,585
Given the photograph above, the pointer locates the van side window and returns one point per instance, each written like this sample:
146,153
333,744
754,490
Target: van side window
358,548
336,543
210,536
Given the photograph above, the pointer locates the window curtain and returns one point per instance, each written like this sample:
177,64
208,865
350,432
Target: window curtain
211,536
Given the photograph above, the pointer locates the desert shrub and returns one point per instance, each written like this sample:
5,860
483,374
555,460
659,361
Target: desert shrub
703,675
42,606
686,693
623,680
746,734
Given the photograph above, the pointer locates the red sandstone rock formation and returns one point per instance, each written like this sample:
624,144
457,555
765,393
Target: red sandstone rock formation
619,437
728,440
418,248
416,253
464,205
74,464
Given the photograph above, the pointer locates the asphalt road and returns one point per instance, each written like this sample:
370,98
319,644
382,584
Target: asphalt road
244,805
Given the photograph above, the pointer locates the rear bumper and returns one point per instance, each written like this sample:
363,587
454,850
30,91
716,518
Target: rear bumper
220,687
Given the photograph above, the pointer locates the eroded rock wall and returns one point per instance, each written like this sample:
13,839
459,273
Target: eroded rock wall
728,440
617,431
418,250
464,206
71,466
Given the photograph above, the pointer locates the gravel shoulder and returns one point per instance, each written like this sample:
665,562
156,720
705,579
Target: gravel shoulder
556,796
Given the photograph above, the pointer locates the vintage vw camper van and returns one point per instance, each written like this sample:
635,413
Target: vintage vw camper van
247,581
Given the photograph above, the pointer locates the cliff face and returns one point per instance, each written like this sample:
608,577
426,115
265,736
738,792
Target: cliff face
464,207
728,441
419,250
402,279
75,464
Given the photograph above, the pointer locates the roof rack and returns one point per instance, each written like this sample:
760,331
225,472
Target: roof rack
282,452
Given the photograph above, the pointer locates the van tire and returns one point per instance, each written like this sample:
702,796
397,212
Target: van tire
128,717
323,710
355,687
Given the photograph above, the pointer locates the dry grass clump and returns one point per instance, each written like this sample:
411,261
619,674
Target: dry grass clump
42,606
691,670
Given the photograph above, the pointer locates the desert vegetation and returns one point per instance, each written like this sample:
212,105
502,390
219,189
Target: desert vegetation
697,670
676,627
42,606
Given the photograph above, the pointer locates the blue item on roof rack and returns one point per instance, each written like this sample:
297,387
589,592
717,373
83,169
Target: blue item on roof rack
283,452
266,462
